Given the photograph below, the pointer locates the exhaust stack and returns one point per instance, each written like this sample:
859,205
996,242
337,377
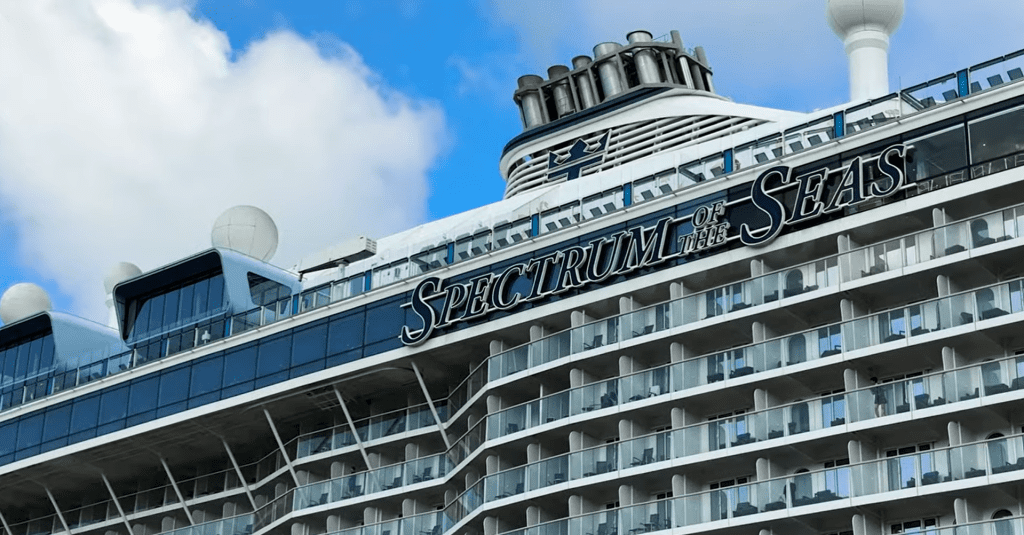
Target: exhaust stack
614,71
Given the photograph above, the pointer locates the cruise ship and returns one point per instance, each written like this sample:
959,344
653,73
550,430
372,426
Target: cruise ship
687,315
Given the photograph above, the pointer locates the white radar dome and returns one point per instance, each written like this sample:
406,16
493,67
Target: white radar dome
247,230
23,300
119,273
845,16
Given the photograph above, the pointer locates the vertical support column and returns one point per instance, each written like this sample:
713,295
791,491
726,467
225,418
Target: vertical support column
964,511
866,525
280,445
117,504
850,310
352,428
847,266
838,124
679,485
238,472
763,399
951,359
759,332
854,379
757,267
430,403
56,508
7,527
177,491
766,469
963,82
955,433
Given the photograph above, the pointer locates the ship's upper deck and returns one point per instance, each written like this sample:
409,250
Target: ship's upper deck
515,230
709,328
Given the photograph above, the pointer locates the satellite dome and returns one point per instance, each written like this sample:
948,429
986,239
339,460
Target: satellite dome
119,273
247,230
23,300
880,15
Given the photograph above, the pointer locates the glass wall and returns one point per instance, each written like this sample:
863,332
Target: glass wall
20,365
997,142
937,154
263,291
176,307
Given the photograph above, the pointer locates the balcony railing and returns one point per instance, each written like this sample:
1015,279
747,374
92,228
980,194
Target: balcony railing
907,322
890,326
909,395
895,325
823,486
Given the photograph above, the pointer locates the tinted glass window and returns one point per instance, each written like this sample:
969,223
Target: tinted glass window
113,405
206,375
30,430
173,386
240,365
84,413
179,305
141,324
171,307
46,360
936,154
216,298
997,136
265,291
9,356
21,369
186,303
273,355
201,296
142,395
156,313
384,322
345,333
309,344
8,433
35,354
56,423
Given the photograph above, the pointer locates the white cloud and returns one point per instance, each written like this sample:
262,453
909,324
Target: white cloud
476,78
125,130
779,54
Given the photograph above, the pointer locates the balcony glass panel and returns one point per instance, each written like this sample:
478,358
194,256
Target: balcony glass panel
645,450
655,186
594,396
602,203
596,334
511,233
593,461
646,384
873,114
559,218
930,94
508,363
550,348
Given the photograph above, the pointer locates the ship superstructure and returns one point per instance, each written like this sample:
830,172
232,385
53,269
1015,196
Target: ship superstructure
688,315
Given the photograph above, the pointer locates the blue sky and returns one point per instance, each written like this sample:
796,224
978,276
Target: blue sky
422,52
127,126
